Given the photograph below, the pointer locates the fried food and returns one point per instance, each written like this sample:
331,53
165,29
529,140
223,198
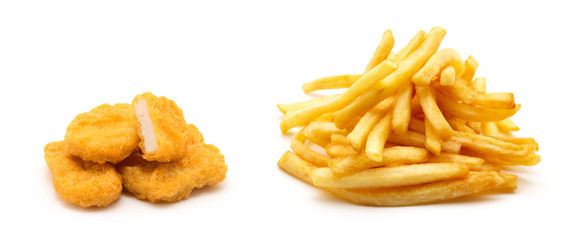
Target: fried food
82,183
423,133
107,133
162,128
201,165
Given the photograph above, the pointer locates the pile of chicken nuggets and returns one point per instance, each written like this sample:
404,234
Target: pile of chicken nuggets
145,147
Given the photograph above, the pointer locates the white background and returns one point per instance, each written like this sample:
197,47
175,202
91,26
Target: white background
228,64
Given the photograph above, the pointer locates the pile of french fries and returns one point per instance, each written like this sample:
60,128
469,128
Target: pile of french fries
416,127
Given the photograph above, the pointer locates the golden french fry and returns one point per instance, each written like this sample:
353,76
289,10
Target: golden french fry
507,125
383,50
412,45
490,129
296,166
340,139
474,182
521,141
290,107
433,113
297,145
491,146
321,132
391,155
453,157
359,134
377,138
303,116
396,176
485,166
470,68
416,139
459,124
432,139
473,113
416,125
392,57
495,100
480,84
530,160
436,63
339,150
509,182
334,82
402,109
448,76
389,85
476,126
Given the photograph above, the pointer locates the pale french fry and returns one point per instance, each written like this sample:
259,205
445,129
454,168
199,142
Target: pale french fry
334,82
389,85
403,175
296,166
470,68
474,182
490,129
391,155
448,76
412,45
432,139
440,60
359,134
377,138
473,113
383,50
433,113
290,107
339,150
305,115
480,84
402,109
297,145
507,125
418,140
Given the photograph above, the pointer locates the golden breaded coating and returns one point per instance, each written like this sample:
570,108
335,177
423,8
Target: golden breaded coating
105,134
201,165
162,128
83,183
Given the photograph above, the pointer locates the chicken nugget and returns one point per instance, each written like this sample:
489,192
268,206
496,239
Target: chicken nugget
83,183
201,165
105,134
162,128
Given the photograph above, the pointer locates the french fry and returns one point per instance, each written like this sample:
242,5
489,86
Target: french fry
416,125
402,109
432,139
391,155
296,166
458,158
402,175
383,50
412,45
340,139
436,63
495,100
377,138
490,129
321,132
473,113
491,146
474,182
416,139
334,82
433,113
339,150
290,107
389,85
470,68
459,124
303,116
297,145
359,134
448,76
480,84
507,125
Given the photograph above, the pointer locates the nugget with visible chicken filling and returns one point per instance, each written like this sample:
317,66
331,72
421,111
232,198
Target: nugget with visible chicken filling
83,183
201,165
107,133
161,127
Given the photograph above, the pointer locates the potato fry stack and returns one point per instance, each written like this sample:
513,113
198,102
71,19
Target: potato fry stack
415,127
